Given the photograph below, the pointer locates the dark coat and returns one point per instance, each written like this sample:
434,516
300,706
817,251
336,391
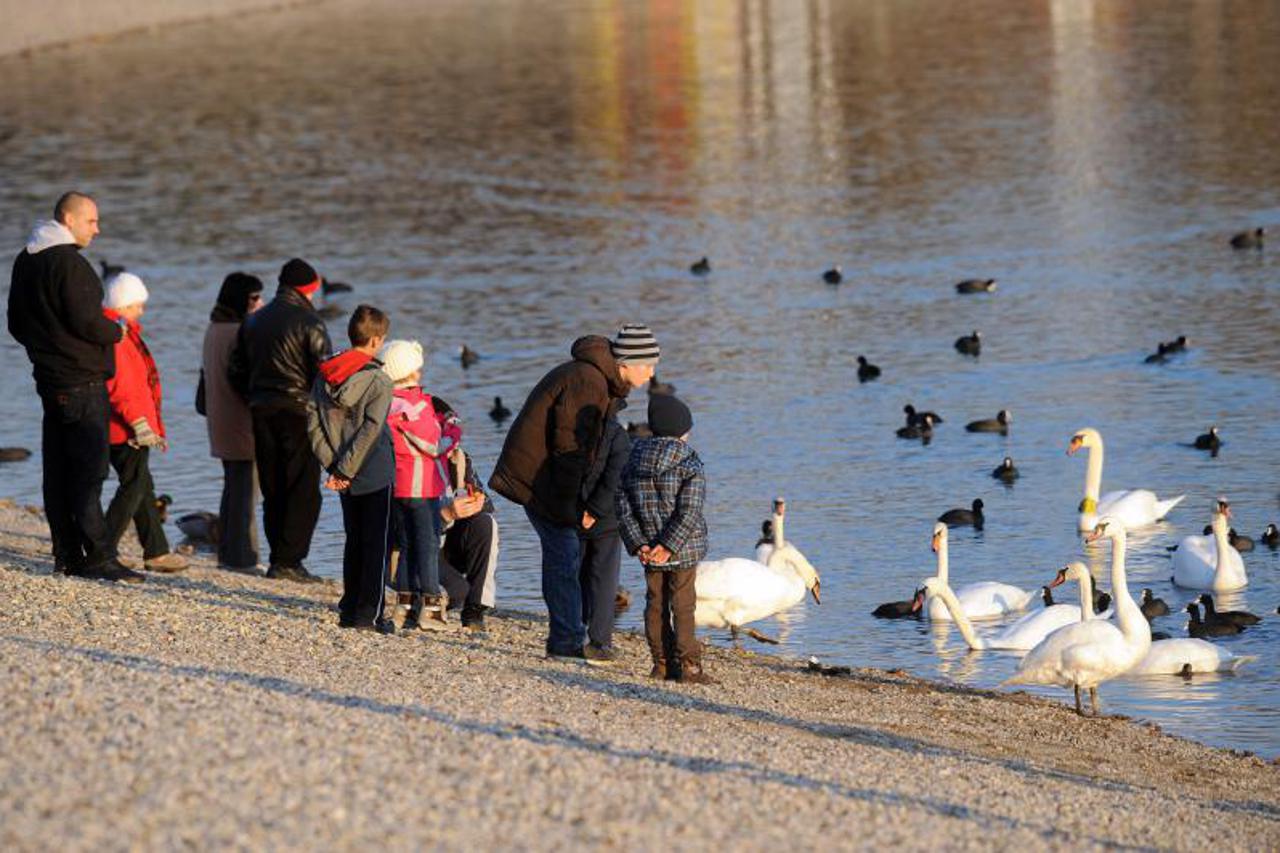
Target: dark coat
278,352
601,483
660,501
555,438
55,311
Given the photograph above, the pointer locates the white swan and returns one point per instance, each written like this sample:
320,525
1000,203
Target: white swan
1092,651
1006,639
781,554
1133,508
984,600
1170,657
1209,562
734,592
1028,631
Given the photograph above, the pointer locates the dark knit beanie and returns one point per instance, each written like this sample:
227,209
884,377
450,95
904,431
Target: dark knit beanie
668,416
299,274
635,344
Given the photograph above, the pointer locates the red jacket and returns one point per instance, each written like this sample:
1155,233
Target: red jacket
134,391
423,440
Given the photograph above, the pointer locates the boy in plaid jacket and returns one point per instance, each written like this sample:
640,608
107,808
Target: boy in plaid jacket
660,518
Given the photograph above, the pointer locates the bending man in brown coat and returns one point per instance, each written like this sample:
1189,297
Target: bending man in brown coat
547,454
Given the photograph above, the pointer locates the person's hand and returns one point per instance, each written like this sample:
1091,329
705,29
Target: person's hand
465,507
144,435
588,520
336,483
642,554
659,555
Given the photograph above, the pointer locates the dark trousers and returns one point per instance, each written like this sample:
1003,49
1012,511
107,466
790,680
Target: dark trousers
417,524
467,561
669,602
366,521
289,476
598,578
560,589
74,455
135,500
238,535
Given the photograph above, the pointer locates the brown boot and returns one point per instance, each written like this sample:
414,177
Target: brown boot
691,672
659,671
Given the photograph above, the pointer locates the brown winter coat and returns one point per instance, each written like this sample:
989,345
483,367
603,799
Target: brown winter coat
555,437
230,424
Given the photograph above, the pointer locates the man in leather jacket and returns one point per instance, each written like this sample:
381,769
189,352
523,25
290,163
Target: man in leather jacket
277,355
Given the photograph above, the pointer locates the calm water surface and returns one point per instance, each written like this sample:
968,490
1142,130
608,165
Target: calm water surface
515,174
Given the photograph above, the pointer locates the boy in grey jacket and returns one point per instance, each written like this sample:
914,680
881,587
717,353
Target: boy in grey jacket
347,426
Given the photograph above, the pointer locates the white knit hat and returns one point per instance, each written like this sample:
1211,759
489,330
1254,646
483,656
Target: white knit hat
400,358
124,288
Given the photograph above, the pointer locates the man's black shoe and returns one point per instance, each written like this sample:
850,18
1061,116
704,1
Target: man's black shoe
297,574
108,571
473,619
382,626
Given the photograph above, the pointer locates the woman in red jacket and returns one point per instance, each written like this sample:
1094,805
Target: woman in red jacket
135,427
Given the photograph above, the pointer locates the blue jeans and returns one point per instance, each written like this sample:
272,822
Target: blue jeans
561,554
419,540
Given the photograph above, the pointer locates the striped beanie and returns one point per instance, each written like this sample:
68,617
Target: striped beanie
635,344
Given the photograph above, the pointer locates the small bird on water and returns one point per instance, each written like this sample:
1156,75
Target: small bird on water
14,454
970,344
965,517
1000,423
1005,471
976,285
330,287
866,370
467,356
1210,441
109,270
914,418
657,386
1251,239
833,275
701,267
499,412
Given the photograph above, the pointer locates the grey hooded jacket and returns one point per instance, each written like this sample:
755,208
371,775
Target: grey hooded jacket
347,423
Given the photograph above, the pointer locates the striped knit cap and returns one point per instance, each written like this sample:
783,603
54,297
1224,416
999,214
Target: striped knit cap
635,344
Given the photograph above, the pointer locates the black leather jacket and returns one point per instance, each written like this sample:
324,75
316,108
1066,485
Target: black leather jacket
278,352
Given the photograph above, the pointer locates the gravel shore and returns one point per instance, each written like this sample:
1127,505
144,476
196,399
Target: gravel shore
212,709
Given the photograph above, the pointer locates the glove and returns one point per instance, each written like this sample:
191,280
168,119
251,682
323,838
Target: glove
144,436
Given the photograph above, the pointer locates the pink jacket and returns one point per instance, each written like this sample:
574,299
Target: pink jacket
423,441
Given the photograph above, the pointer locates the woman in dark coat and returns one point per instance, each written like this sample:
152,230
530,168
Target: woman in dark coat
230,425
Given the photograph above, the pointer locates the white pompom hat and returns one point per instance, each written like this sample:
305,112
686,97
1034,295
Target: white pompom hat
400,358
124,288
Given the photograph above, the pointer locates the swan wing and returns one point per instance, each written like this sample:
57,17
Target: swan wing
1029,630
1195,565
738,591
1168,657
1135,507
1044,664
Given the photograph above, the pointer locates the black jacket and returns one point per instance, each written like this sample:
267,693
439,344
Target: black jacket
55,311
555,438
278,353
601,482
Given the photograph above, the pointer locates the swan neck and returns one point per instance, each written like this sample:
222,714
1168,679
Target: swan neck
1086,597
1127,613
962,621
1221,544
779,538
944,570
1093,471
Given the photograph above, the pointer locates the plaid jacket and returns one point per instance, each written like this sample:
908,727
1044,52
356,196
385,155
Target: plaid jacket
660,501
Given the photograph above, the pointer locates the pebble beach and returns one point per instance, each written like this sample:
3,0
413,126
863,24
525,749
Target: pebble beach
209,709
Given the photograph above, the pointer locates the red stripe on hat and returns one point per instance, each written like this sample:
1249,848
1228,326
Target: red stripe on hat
309,289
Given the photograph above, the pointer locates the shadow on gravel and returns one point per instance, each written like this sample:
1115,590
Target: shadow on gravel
871,737
565,739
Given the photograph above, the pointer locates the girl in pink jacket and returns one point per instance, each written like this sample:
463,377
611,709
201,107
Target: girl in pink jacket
423,443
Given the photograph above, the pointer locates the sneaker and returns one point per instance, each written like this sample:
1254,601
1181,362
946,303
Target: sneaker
435,613
297,574
165,563
599,655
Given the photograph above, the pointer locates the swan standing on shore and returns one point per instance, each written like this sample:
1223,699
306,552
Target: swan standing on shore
1090,652
983,600
1027,631
736,591
1132,507
1209,562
